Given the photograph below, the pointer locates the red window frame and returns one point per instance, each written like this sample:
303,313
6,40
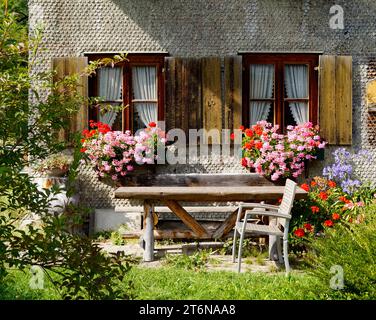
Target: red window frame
280,60
134,59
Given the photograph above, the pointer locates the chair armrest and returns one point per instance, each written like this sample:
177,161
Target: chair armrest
266,213
259,205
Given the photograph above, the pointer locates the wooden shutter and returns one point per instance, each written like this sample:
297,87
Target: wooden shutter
211,94
335,97
68,66
233,92
183,93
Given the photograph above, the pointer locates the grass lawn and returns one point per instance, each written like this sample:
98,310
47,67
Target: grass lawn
176,283
173,283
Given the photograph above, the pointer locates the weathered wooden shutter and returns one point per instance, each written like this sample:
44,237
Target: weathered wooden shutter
335,97
183,93
67,66
233,92
211,94
194,96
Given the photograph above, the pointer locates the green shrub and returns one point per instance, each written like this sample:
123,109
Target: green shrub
326,207
117,239
352,247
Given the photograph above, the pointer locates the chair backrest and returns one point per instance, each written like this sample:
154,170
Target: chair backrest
287,200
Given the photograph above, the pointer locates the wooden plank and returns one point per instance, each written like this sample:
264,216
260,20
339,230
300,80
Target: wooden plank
168,234
344,99
82,117
188,220
148,236
178,92
194,93
233,92
184,86
371,95
76,65
170,84
199,209
227,225
183,93
191,209
327,98
251,179
211,95
58,64
206,193
68,66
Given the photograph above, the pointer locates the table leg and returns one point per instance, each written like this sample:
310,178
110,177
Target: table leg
149,232
227,225
187,219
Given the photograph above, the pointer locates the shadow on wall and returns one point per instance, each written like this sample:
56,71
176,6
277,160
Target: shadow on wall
211,27
189,28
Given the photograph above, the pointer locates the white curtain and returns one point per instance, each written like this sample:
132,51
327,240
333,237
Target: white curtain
110,84
144,82
261,87
297,87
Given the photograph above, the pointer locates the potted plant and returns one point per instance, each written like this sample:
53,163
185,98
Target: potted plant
56,165
116,155
279,156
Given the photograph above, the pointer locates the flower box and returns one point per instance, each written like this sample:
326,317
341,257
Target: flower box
119,156
279,156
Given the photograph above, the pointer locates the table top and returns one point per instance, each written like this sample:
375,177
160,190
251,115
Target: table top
206,193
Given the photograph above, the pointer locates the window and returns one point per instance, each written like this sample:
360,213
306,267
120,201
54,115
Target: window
137,84
280,88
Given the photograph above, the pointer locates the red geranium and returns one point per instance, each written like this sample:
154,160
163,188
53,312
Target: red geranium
258,130
83,150
299,232
323,195
241,128
152,124
258,145
248,145
103,127
336,216
328,223
313,183
308,227
232,136
331,184
305,187
315,209
248,132
344,199
244,162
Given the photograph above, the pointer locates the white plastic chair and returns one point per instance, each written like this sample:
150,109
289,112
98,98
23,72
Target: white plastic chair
279,229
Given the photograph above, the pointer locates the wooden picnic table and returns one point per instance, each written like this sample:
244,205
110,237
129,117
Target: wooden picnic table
172,189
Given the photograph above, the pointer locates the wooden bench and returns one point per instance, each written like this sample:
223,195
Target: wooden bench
173,233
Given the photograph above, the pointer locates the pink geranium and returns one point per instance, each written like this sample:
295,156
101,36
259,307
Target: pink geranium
280,155
114,153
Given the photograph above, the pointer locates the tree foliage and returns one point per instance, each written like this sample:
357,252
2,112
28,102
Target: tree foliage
33,108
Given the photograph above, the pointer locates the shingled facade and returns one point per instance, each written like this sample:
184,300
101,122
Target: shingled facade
224,31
